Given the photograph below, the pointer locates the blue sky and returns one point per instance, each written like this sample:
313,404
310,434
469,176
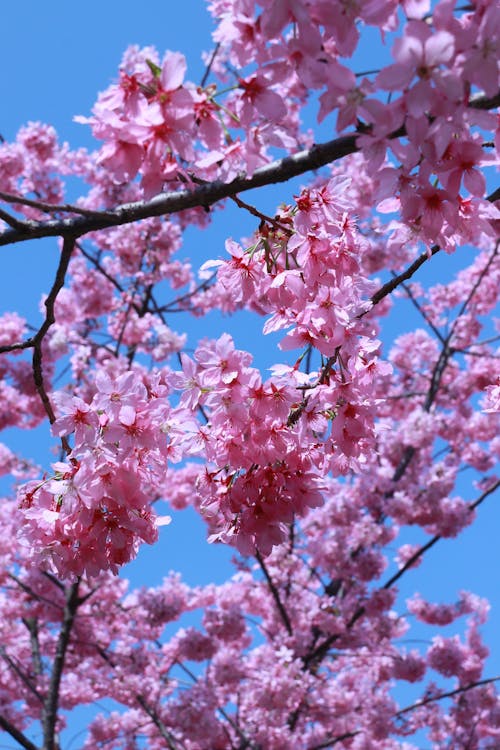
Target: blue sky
54,58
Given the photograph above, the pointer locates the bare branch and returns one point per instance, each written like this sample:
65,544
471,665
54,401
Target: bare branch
50,302
50,208
422,312
391,285
209,65
334,740
432,699
36,341
28,590
12,221
16,734
448,694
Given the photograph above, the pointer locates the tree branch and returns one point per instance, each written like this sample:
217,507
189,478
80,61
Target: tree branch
16,734
12,221
36,341
391,285
448,694
52,701
49,208
68,245
275,593
408,564
333,741
205,196
317,655
157,722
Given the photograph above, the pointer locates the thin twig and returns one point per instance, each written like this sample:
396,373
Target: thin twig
259,215
334,740
422,312
28,590
209,66
448,694
50,319
316,656
391,285
275,593
36,341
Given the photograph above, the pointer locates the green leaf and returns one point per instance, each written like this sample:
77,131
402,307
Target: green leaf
154,68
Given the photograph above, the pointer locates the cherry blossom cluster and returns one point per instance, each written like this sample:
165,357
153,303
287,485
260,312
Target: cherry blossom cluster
271,56
92,512
299,651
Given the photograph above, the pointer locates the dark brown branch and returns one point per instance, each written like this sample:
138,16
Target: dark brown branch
317,655
52,701
205,196
246,743
99,267
448,694
50,208
12,221
36,341
50,319
202,286
437,333
412,560
474,289
16,734
432,699
446,351
263,217
275,593
391,285
334,740
157,722
440,366
35,596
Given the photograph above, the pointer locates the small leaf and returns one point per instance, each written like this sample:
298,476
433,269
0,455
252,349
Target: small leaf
154,68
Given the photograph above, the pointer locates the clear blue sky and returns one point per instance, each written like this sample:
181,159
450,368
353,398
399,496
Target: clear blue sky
54,58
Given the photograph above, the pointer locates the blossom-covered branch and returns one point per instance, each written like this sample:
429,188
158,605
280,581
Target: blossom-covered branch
202,196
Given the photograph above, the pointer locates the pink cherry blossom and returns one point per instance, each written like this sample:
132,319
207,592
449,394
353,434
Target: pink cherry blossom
329,459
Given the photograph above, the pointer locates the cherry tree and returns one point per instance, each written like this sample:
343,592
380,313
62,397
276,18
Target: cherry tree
332,473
